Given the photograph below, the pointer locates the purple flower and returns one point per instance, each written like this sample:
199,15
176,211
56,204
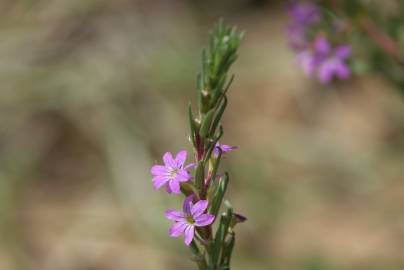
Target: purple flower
224,148
296,37
304,13
335,65
316,57
308,61
324,61
191,216
322,46
172,173
311,58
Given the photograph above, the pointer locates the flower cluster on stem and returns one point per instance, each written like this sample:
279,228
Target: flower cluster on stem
316,54
201,183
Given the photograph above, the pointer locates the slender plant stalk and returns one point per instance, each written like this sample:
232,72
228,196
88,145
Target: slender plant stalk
206,131
205,190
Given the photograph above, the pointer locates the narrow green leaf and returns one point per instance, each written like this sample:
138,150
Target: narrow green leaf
197,256
228,250
205,70
206,123
212,145
192,125
216,163
218,92
218,198
199,82
221,234
218,116
194,249
187,188
200,175
217,245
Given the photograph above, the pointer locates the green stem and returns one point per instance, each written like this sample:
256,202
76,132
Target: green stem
200,258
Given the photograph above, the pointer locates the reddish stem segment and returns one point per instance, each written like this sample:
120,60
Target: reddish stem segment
199,147
384,41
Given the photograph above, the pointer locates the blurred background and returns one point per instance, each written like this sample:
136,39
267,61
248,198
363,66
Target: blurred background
94,92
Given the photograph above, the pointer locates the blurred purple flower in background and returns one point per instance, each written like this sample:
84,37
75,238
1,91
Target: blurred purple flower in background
191,216
172,173
317,57
296,37
308,61
304,13
324,61
310,58
335,65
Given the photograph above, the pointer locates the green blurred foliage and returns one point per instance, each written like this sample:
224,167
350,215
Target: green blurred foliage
375,29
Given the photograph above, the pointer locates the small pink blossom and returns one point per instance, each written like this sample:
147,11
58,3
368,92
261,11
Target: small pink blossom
192,216
224,148
172,173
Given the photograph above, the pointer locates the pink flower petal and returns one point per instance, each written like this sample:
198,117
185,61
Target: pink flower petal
190,166
175,186
168,189
343,51
180,158
307,61
326,71
159,170
227,148
189,234
187,205
342,71
177,229
199,208
168,160
204,220
322,46
175,215
182,176
159,181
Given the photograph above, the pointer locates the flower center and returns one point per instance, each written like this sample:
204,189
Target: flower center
190,219
173,173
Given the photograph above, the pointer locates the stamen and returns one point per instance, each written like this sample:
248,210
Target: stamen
190,219
173,173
